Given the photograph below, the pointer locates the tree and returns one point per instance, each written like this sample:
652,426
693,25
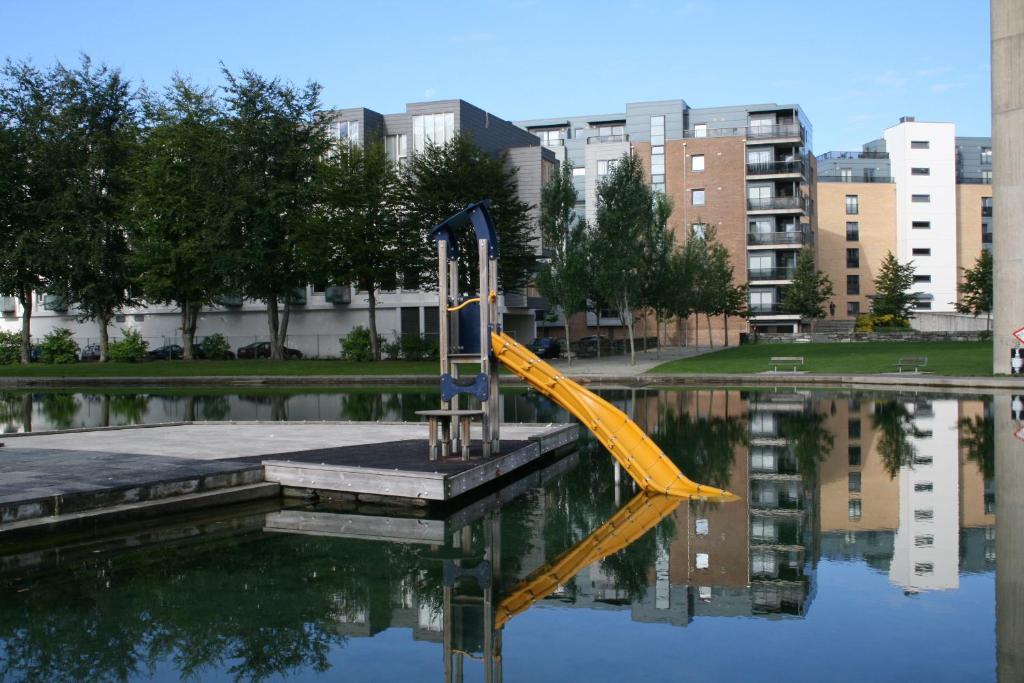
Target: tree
563,279
625,211
657,276
892,289
97,121
442,180
182,204
276,144
810,290
362,234
715,291
976,288
685,264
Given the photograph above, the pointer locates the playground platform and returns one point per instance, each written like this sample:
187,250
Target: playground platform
80,479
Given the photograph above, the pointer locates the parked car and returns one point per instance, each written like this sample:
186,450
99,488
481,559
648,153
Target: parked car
262,350
90,353
546,347
168,352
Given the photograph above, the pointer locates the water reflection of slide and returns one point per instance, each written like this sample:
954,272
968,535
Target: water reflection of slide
635,451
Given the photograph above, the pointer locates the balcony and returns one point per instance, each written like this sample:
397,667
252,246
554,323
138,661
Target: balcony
854,179
765,309
773,203
785,130
601,139
780,237
715,133
973,180
762,274
775,167
853,155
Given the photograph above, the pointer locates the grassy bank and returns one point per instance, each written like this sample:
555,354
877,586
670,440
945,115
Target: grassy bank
944,358
229,368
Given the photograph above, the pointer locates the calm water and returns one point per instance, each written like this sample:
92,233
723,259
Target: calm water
864,547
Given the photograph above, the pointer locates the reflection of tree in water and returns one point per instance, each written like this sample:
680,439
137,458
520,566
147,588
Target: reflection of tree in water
810,439
895,423
214,408
978,437
59,409
15,411
130,408
702,446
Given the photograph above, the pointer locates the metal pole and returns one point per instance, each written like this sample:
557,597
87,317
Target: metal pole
495,395
452,320
442,310
485,341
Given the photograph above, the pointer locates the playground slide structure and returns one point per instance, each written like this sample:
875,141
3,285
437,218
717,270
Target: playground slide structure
635,451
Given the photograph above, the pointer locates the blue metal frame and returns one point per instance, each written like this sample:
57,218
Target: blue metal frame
476,215
478,387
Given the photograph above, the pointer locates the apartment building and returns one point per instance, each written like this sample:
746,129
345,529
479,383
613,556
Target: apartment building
321,313
747,170
920,192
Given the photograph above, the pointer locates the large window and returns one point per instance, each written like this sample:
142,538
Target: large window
852,231
344,131
986,155
657,130
854,510
852,204
435,129
697,197
919,144
397,148
605,166
853,482
551,138
853,258
846,175
697,163
852,309
700,130
853,284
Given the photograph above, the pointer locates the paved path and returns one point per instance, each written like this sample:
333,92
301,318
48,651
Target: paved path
619,366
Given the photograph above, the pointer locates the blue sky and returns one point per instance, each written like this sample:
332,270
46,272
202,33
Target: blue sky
855,67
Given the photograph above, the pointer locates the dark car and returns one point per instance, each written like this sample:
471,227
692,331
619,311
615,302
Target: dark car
168,352
262,350
90,353
546,347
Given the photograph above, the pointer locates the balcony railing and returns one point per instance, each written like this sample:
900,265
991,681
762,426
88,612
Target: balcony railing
786,130
783,273
779,237
853,155
716,133
854,179
774,167
974,180
766,203
765,309
598,139
558,142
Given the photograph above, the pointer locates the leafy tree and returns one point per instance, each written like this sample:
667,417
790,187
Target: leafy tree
625,212
182,190
976,288
657,276
275,150
564,278
442,180
892,289
715,291
97,120
685,265
362,229
810,290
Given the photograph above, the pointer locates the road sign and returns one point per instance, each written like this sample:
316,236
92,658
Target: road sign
1019,433
1019,335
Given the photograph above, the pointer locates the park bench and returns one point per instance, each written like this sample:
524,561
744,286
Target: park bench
794,361
450,438
916,362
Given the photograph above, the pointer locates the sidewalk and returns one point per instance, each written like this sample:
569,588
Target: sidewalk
619,366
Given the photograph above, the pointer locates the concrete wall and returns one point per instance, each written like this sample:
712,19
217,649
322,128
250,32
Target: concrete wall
948,322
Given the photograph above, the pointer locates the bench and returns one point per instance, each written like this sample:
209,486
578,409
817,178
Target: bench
795,361
916,362
449,438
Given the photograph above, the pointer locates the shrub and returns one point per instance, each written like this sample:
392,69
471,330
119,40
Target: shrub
881,323
415,347
10,347
131,348
355,345
391,349
59,347
215,347
864,323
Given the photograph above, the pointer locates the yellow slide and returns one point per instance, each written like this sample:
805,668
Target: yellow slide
634,450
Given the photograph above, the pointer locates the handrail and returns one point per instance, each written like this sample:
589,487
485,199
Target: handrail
475,300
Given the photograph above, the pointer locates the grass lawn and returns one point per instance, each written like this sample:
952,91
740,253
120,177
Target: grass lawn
944,358
214,368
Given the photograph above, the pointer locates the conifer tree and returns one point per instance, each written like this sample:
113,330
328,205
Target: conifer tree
892,290
809,291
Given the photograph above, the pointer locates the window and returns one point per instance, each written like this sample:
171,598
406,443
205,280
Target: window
697,163
923,305
986,155
853,258
697,197
921,225
854,456
921,198
120,318
852,231
986,176
700,130
853,284
764,529
579,172
397,148
986,207
853,482
852,309
139,317
657,130
919,170
319,287
924,540
852,204
605,166
344,131
552,138
924,515
608,131
924,567
920,144
434,129
918,279
854,509
922,460
846,175
921,251
853,428
699,230
578,133
923,487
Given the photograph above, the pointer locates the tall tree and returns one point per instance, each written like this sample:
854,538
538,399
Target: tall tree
976,288
182,204
98,121
443,179
31,183
658,246
685,266
625,211
810,290
563,278
892,289
716,291
276,146
364,238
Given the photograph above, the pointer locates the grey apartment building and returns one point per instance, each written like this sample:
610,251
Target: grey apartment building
747,170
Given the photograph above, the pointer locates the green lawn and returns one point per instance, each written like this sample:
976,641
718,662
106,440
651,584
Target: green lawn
944,358
211,368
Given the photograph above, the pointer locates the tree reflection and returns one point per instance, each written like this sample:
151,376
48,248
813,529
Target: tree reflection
129,408
60,409
977,436
702,446
895,423
810,439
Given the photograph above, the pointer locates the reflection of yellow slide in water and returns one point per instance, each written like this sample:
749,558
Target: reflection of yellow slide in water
635,519
634,450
